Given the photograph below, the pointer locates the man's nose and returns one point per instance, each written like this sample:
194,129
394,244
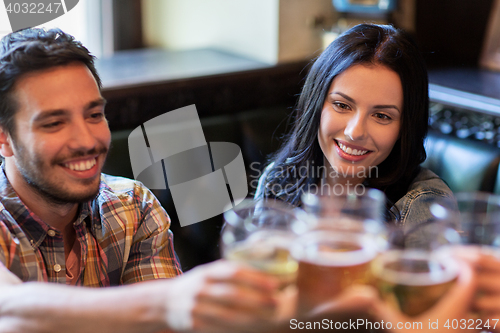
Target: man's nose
82,136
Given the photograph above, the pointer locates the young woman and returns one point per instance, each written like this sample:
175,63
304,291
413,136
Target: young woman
360,121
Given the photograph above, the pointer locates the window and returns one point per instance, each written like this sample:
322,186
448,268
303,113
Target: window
93,22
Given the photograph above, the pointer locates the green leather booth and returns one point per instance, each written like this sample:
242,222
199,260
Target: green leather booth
464,164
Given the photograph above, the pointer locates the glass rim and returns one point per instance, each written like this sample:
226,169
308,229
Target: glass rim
450,268
372,194
231,217
478,196
366,253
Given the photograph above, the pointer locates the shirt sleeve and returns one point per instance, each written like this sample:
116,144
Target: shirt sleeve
152,254
16,252
7,241
4,244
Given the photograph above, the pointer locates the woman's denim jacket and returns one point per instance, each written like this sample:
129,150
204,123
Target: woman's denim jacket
412,213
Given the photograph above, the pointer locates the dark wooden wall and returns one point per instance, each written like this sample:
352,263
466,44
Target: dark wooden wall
450,32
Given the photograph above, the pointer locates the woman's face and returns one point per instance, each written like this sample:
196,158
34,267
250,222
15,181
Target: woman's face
360,120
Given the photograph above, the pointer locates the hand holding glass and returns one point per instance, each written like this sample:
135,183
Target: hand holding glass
260,234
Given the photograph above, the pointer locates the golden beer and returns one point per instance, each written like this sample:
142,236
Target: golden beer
413,281
268,252
329,262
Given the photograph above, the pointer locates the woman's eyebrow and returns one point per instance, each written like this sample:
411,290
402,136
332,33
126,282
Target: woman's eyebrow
389,106
350,99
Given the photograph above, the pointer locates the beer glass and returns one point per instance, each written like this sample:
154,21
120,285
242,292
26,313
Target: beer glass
479,225
479,219
368,204
260,234
329,261
413,281
350,212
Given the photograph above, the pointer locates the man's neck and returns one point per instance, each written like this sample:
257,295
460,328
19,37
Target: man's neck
58,216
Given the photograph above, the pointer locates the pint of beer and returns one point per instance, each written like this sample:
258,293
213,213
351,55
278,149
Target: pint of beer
413,281
260,234
329,262
268,251
349,213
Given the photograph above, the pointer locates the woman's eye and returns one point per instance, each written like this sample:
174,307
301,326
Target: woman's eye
342,106
382,116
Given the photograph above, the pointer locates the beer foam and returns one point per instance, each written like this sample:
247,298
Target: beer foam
347,258
335,249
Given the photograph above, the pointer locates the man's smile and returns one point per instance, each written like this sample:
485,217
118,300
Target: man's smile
81,165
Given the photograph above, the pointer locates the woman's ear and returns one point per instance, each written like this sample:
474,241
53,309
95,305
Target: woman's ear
5,143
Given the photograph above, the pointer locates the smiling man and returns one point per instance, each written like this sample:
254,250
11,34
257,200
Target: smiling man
63,221
54,140
64,140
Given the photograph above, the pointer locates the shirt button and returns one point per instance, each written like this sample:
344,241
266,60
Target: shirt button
57,268
51,233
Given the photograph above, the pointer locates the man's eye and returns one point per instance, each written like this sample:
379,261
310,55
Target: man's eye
97,115
52,125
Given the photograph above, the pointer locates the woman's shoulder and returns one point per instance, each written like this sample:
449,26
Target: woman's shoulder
425,188
413,209
427,181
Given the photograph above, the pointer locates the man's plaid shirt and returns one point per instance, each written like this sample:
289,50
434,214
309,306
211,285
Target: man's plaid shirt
123,233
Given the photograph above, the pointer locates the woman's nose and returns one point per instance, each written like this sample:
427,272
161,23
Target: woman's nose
356,128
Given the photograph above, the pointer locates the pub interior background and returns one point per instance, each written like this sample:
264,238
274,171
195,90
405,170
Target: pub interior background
242,63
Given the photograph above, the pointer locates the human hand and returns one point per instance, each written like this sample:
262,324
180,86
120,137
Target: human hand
487,300
355,299
222,297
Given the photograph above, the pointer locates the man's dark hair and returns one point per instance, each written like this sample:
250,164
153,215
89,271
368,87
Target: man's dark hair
30,50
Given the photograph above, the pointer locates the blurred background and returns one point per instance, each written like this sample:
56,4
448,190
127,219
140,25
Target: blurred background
242,62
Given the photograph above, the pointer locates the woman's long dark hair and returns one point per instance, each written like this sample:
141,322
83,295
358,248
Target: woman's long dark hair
367,44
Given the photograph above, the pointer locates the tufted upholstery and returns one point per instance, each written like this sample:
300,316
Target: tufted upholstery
465,165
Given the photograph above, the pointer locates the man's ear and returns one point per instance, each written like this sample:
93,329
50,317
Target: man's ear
5,143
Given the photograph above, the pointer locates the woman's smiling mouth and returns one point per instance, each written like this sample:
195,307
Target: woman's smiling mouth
350,151
358,151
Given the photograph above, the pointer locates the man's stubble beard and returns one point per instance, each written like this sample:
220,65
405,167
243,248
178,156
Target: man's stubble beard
32,170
